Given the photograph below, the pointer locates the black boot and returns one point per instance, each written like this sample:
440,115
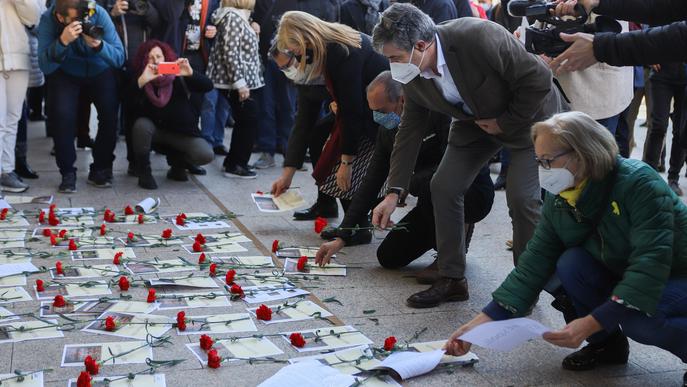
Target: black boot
614,350
325,206
177,170
21,166
144,173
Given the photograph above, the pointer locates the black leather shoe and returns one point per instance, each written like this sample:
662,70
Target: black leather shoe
443,290
614,350
194,170
23,170
220,150
429,274
325,211
85,142
177,174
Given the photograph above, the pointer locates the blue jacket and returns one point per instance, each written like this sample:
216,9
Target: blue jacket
77,58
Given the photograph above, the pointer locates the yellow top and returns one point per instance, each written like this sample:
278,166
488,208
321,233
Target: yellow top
571,195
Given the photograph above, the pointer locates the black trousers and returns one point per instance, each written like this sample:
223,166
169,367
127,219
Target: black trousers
245,114
662,94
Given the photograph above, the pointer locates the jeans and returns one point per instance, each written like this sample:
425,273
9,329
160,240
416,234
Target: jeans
246,124
13,85
213,117
662,94
277,110
589,284
63,97
610,123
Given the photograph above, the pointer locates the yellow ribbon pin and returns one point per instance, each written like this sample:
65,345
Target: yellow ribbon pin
616,208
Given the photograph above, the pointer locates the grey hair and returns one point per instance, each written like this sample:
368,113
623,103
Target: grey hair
392,89
594,146
403,25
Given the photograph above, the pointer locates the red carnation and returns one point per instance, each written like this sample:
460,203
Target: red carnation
213,270
229,279
39,285
53,239
72,245
52,220
264,313
320,224
91,365
3,213
214,361
103,229
84,379
167,233
59,301
302,262
62,234
181,219
181,321
41,217
52,207
106,215
297,340
128,210
151,295
206,342
236,289
130,236
201,259
47,232
141,219
200,238
259,192
110,324
197,247
275,245
117,258
123,284
389,343
58,268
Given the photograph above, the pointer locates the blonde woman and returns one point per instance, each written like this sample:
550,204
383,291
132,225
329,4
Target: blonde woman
235,69
614,234
346,60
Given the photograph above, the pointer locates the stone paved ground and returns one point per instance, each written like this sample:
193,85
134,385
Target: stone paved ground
365,288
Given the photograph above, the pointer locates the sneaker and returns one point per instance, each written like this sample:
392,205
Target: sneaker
195,170
68,184
10,182
99,179
240,172
265,161
675,186
614,350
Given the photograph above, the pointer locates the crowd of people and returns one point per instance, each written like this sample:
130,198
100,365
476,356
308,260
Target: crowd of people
387,99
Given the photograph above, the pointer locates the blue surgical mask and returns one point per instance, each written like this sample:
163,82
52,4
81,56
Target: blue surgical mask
388,120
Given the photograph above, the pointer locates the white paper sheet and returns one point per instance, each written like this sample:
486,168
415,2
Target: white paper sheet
73,355
325,338
505,335
263,294
308,374
410,364
10,269
156,380
33,380
288,201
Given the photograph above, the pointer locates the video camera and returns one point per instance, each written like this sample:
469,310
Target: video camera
86,11
546,40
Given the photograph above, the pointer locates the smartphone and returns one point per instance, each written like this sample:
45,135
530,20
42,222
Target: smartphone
168,68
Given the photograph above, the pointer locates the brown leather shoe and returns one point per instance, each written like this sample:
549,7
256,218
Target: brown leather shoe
443,290
429,274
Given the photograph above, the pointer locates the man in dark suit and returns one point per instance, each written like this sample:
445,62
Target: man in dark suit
476,72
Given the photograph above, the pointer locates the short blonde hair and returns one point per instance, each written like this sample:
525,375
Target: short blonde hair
594,146
303,31
239,4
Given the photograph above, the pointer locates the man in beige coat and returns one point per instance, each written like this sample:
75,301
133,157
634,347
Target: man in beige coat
479,74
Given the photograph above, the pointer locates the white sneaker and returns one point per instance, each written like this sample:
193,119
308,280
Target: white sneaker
265,161
10,182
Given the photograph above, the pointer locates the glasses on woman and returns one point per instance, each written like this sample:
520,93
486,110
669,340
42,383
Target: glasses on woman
546,163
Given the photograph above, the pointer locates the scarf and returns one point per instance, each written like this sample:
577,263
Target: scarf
159,90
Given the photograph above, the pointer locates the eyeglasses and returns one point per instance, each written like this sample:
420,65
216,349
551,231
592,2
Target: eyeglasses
289,63
546,163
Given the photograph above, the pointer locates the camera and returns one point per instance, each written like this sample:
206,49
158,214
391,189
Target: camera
86,11
546,40
138,7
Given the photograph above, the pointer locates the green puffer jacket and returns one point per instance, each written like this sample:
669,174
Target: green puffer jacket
642,238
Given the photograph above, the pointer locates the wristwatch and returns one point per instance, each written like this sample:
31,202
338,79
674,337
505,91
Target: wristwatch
396,190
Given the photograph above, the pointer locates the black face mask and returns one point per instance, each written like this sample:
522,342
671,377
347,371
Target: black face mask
308,56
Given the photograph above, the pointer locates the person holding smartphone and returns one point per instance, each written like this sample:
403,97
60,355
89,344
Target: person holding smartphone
167,96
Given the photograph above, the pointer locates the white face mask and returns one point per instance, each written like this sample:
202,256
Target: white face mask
556,180
291,72
406,72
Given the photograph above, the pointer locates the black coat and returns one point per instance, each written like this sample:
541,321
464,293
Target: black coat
655,45
182,112
353,14
350,71
438,10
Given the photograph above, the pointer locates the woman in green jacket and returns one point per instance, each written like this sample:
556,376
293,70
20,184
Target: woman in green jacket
614,234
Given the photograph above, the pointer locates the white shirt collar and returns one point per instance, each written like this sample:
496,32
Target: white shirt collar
441,62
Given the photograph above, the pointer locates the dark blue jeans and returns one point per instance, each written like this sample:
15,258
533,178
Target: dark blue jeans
277,110
589,284
63,98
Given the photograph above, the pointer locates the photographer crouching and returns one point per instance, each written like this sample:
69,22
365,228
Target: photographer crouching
79,51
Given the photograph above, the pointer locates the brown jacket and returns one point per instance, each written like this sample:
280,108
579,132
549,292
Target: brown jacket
496,78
